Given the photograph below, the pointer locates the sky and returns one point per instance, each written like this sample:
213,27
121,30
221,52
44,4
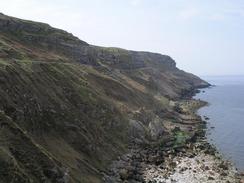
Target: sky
204,37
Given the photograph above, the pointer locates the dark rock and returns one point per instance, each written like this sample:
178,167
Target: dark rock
207,168
223,174
206,118
223,166
211,178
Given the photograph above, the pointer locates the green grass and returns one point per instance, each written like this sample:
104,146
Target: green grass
3,62
180,138
26,65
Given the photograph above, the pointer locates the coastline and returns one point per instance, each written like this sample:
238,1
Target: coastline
198,161
193,159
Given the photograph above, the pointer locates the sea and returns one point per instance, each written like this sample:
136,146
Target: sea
226,112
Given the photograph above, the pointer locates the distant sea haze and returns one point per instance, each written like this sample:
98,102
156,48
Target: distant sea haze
226,113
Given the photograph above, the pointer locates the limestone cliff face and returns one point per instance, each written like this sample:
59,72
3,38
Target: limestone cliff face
69,108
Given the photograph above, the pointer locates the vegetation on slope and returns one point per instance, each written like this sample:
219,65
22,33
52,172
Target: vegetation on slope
68,108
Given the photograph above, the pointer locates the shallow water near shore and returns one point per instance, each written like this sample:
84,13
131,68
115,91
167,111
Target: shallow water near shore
226,113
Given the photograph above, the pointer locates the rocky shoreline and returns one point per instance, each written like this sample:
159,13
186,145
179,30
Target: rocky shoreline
183,157
199,162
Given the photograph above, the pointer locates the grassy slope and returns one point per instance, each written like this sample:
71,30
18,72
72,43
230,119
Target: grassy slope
54,104
66,106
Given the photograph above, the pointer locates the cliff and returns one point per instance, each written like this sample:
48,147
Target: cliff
69,108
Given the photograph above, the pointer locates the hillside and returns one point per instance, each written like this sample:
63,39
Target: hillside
68,109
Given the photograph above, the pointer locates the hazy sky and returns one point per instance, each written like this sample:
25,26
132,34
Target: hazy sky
205,37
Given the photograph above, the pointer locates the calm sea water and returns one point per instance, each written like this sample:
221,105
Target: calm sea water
226,113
